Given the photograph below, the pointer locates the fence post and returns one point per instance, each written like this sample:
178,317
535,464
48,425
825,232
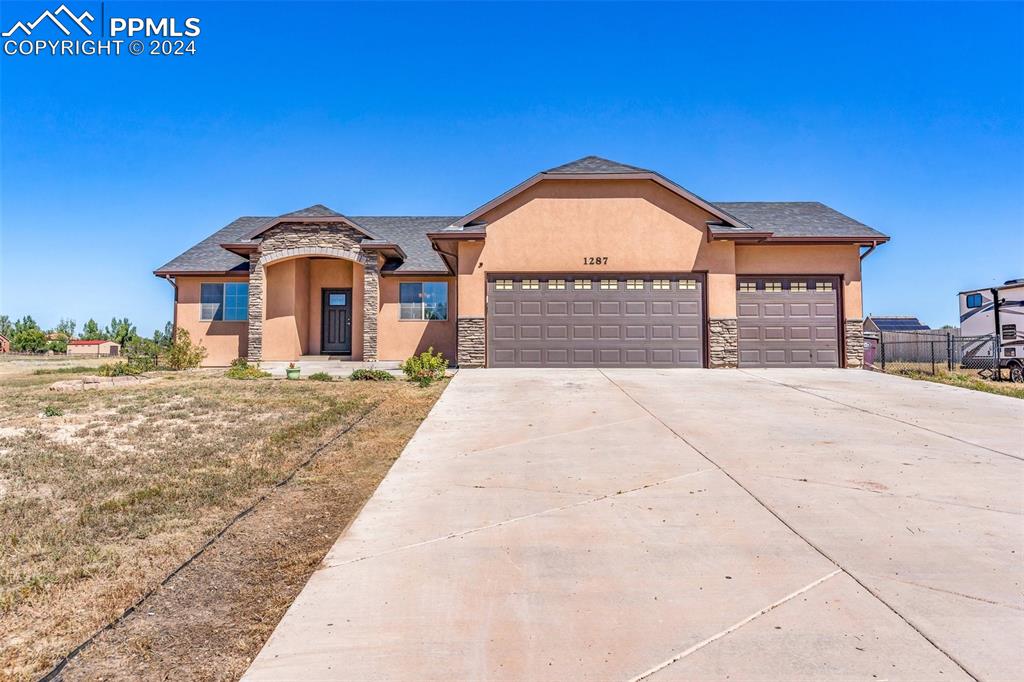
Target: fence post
949,352
881,348
932,344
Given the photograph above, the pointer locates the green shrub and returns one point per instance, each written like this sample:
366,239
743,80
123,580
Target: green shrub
370,375
119,369
241,369
425,368
183,354
320,376
51,411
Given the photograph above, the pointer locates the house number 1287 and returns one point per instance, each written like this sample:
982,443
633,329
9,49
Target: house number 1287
595,260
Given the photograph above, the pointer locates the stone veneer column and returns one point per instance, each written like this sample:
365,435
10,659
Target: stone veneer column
371,305
256,278
723,340
854,333
471,342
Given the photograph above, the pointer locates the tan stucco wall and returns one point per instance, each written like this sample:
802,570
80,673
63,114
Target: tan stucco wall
638,225
100,349
331,273
398,339
839,259
224,341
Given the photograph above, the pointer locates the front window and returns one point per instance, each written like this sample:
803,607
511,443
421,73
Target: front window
423,300
974,301
227,301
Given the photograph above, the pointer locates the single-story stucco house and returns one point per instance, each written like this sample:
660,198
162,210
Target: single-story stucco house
593,263
94,347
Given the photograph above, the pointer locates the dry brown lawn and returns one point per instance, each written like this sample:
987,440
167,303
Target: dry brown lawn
99,503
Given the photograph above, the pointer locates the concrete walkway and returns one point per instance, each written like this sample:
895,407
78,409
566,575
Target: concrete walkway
679,525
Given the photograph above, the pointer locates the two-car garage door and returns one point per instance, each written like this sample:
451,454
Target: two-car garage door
631,320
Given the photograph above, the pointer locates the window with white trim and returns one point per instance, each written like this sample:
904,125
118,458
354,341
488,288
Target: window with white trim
423,301
531,284
581,284
557,284
609,284
634,284
224,301
661,284
687,284
503,284
773,287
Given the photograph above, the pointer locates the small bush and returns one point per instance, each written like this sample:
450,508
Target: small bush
183,354
425,368
370,375
241,369
119,369
51,411
320,376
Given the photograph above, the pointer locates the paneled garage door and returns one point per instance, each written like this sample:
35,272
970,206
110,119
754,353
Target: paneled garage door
788,321
595,321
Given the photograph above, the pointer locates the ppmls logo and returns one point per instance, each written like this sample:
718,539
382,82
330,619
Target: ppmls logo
165,36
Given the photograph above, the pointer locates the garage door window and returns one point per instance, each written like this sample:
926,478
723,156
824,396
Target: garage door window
634,284
531,284
662,284
557,284
798,286
581,284
748,287
688,284
609,284
503,284
823,286
773,287
423,301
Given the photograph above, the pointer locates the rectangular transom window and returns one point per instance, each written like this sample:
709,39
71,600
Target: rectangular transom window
423,301
503,284
228,301
798,286
556,284
823,286
531,284
748,287
581,284
609,284
661,284
687,284
634,284
974,301
773,287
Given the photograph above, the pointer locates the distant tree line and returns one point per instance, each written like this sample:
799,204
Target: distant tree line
26,336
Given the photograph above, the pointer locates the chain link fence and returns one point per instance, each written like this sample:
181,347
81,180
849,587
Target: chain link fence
932,353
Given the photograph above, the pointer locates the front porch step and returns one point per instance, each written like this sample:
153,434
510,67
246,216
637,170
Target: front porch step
332,365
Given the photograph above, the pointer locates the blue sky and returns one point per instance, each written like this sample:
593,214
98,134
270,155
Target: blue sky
908,117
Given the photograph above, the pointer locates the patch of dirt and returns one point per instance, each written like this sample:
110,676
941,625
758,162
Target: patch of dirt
94,383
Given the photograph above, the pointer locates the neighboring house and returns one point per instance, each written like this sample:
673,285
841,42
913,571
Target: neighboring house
893,323
995,311
95,348
593,263
5,344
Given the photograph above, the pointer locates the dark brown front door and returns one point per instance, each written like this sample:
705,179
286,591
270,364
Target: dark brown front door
595,320
788,321
337,321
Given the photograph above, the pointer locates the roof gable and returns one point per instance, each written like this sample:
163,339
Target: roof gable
595,164
317,213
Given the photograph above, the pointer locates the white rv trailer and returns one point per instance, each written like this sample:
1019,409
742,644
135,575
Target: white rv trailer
995,311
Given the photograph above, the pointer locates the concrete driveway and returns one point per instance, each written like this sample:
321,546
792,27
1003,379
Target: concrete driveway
680,525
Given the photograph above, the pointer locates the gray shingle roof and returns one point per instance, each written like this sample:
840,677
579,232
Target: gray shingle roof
314,211
797,219
595,164
409,232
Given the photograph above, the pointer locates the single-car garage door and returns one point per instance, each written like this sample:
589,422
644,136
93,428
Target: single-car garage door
568,320
788,321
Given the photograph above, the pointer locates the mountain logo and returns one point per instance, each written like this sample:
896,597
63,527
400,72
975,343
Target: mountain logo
78,20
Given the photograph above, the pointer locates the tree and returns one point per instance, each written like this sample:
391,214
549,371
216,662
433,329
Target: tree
6,328
91,331
58,346
166,337
183,354
27,336
120,331
66,328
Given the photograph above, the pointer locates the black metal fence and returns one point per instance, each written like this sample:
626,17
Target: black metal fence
932,353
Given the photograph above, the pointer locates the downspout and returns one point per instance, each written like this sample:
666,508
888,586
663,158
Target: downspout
874,245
